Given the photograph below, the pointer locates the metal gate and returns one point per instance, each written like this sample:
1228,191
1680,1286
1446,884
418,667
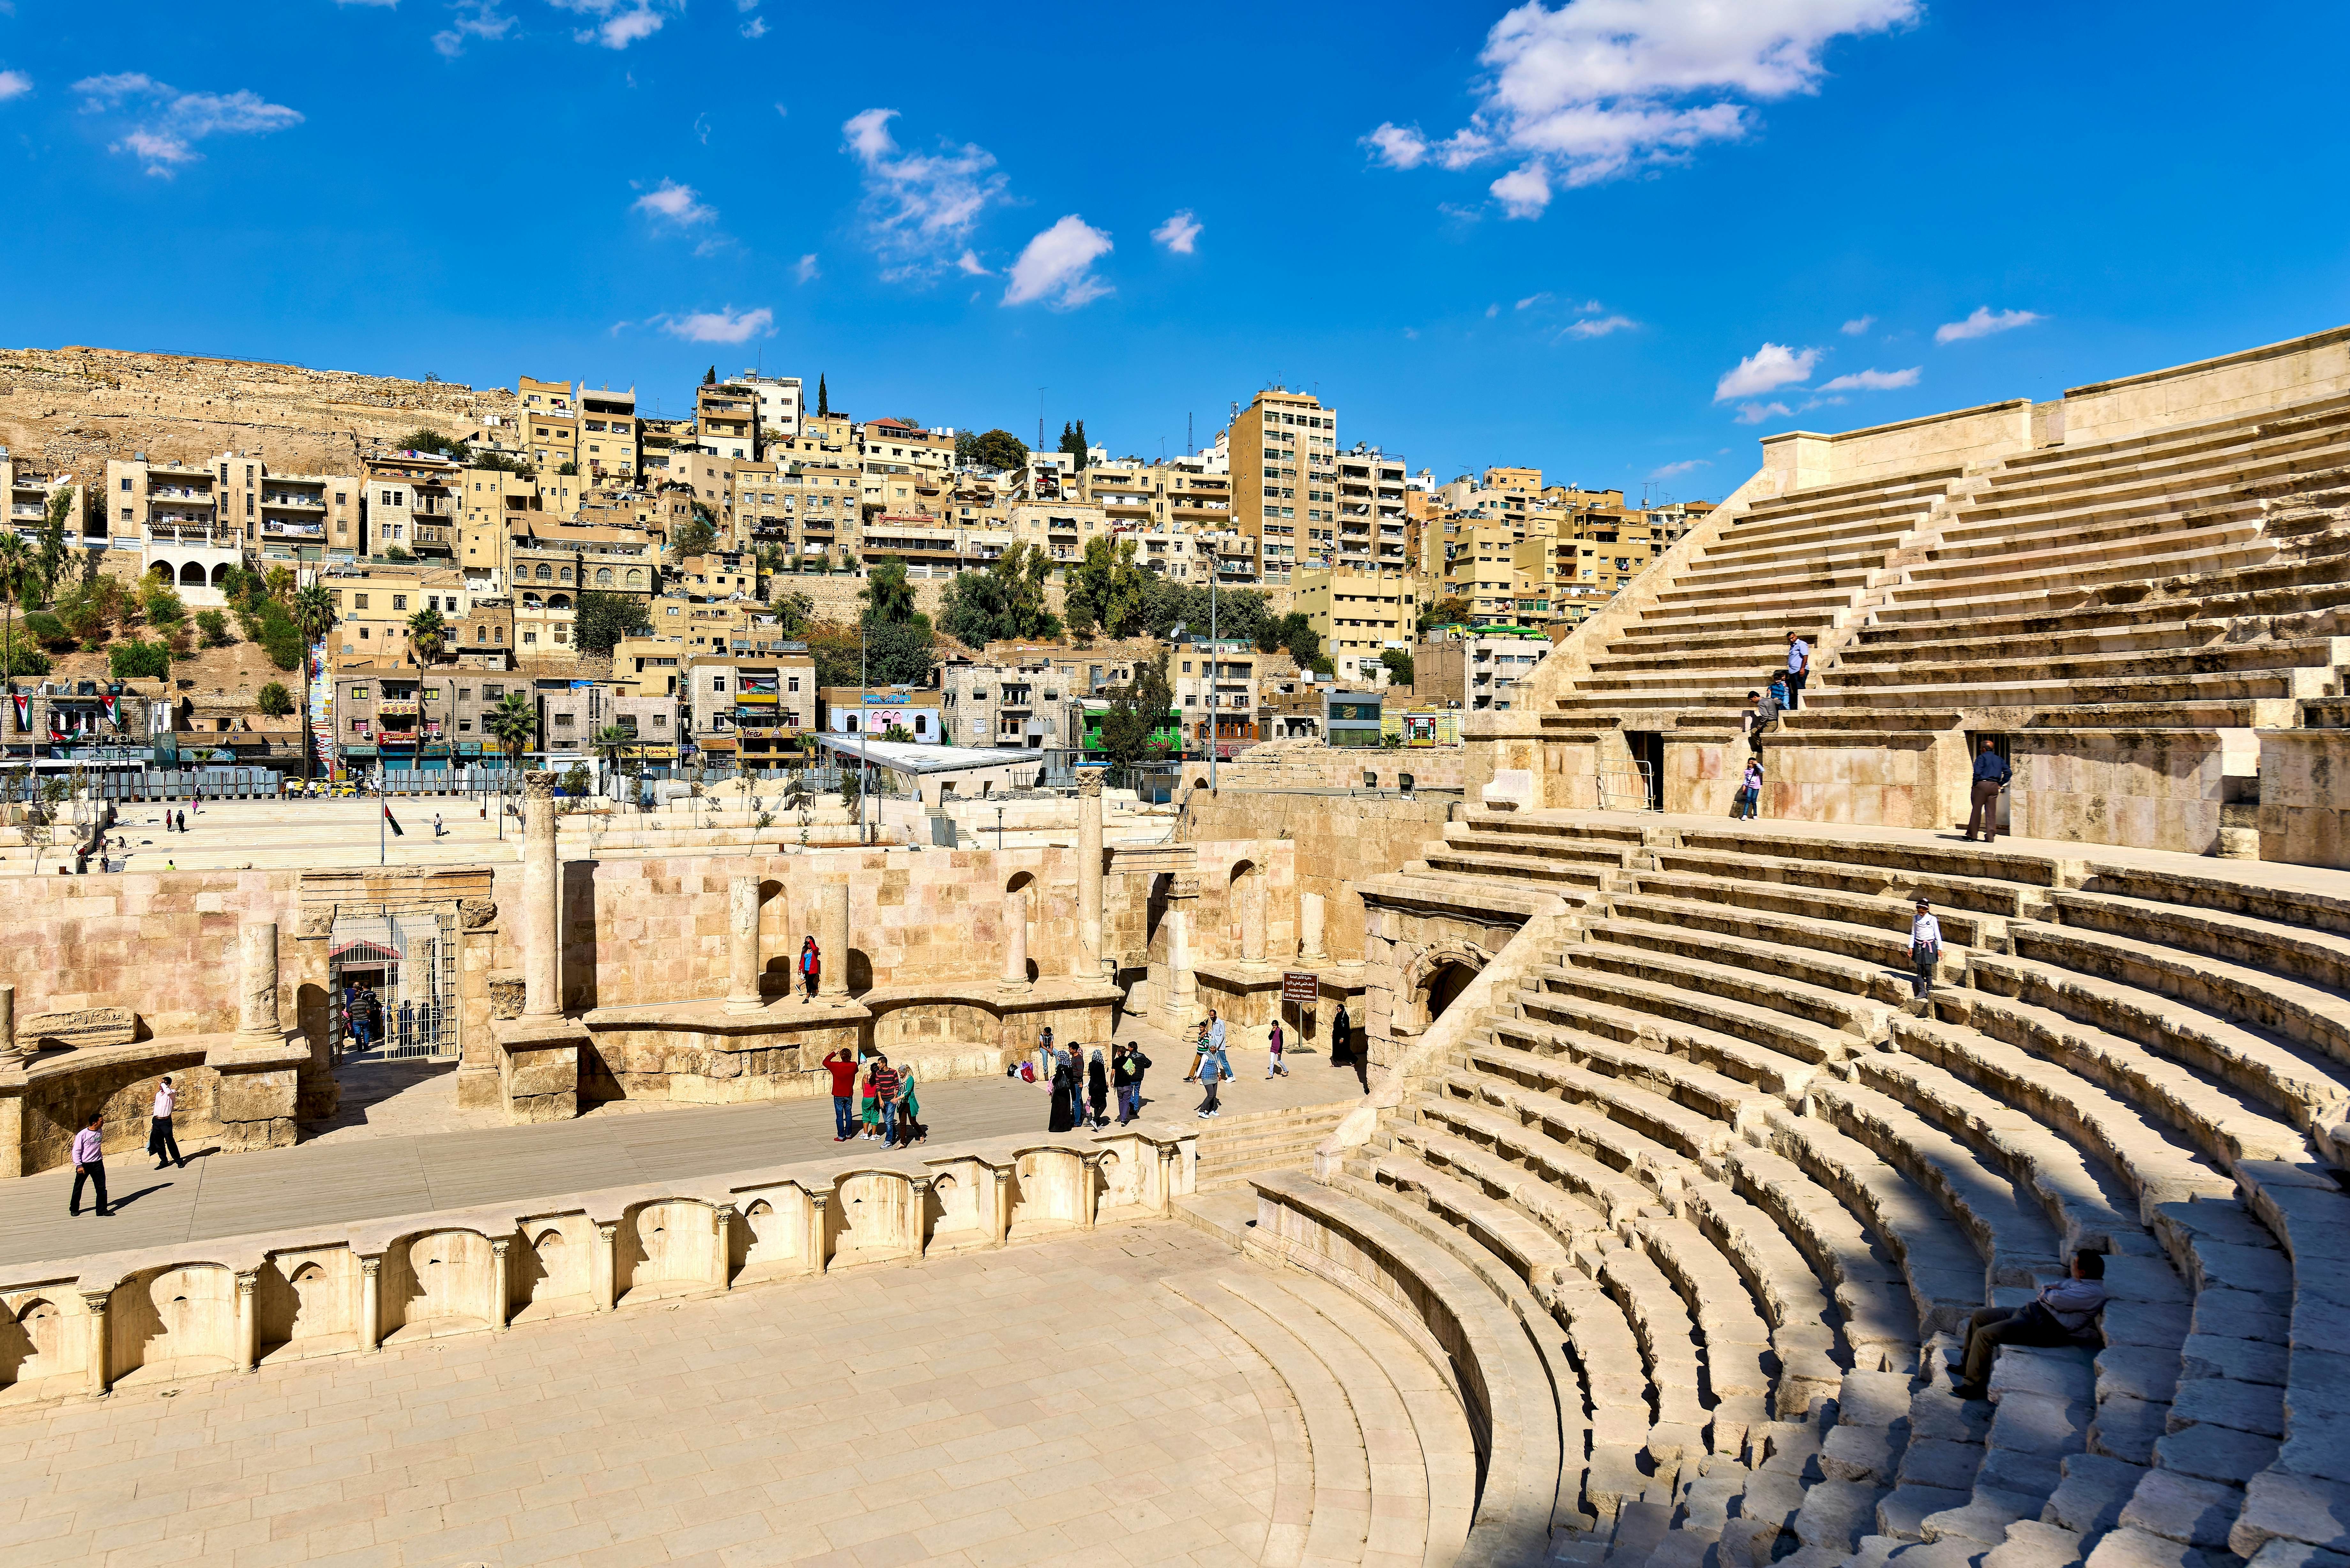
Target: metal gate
392,981
1627,791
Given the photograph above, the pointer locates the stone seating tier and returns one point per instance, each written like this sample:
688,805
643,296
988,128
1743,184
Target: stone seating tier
1715,1105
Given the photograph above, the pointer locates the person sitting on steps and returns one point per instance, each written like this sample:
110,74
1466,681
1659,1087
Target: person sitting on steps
2064,1313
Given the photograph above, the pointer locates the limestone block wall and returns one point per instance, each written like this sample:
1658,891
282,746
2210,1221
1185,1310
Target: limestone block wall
1871,780
2272,375
1226,868
1334,844
162,944
1296,765
2150,789
2306,796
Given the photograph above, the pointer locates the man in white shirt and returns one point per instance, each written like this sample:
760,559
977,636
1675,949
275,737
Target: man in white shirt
160,1141
1924,951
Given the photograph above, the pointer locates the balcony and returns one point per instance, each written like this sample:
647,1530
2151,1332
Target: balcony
286,529
296,500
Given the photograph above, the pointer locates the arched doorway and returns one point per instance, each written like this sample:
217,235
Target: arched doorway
1445,986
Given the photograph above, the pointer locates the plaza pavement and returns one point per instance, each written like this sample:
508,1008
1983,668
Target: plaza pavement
1041,1404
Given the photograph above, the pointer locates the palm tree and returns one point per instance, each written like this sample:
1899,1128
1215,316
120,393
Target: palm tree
313,609
16,575
611,742
428,634
513,723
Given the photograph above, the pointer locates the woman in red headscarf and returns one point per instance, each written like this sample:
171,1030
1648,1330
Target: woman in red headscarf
811,965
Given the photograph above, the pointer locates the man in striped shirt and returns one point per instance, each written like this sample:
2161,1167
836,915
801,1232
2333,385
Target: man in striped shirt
883,1081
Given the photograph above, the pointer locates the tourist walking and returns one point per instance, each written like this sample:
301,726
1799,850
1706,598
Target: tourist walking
1210,1071
1992,773
811,966
160,1141
2063,1313
1924,951
1341,1039
1799,669
1273,1069
89,1165
884,1079
1125,1073
1064,1094
842,1065
1097,1089
436,825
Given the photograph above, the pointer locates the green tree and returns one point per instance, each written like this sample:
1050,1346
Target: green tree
823,398
604,618
47,628
1005,600
793,612
162,605
1073,441
213,627
17,571
710,377
1107,587
499,463
275,700
1398,665
1137,709
992,449
887,593
694,536
613,745
1299,637
139,659
50,553
894,653
1450,610
424,438
512,723
567,468
428,634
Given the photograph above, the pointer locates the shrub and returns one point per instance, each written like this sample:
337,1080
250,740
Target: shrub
46,628
214,627
139,659
275,700
22,659
162,605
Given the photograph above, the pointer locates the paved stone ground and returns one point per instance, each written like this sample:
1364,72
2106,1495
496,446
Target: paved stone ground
1043,1404
402,1146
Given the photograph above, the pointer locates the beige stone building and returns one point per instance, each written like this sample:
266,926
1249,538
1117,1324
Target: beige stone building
1284,477
27,488
1372,529
198,520
374,601
726,421
608,447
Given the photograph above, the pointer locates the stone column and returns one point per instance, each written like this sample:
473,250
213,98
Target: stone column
921,1215
542,900
1016,942
371,1304
101,1342
11,1054
832,936
1090,870
814,1250
999,1219
722,1228
604,1265
742,945
256,1019
1251,914
249,1329
1182,986
1310,914
501,1283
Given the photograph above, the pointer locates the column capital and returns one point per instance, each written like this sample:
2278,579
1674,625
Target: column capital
245,1279
1183,885
1089,782
607,1228
538,784
725,1211
95,1301
499,1244
371,1266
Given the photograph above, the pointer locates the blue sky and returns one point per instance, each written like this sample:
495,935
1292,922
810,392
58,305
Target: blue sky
1616,238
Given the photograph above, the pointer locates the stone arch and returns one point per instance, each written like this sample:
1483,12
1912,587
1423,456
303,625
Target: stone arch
1020,882
1439,976
603,576
545,573
562,574
31,1339
1245,910
531,601
192,575
220,574
559,601
636,578
481,634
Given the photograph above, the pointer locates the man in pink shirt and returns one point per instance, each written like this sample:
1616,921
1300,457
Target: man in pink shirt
89,1165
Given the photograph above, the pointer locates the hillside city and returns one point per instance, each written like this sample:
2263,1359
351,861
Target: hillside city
717,590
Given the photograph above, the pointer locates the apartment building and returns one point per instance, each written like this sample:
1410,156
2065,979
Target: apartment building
809,510
550,565
1028,695
658,442
1372,527
393,714
875,710
758,709
1359,612
906,469
29,488
779,401
374,600
1479,673
608,435
827,438
572,715
1215,690
490,505
199,520
726,421
1285,476
697,627
1062,528
550,424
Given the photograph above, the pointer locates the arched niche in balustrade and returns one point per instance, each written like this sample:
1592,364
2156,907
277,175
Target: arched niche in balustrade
874,1215
438,1282
549,1268
306,1303
770,1234
173,1322
44,1337
1051,1190
666,1248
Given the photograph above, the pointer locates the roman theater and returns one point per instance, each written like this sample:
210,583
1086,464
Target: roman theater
1647,1229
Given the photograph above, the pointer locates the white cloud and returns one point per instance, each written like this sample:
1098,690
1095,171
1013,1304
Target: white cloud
805,270
1857,326
475,19
1755,413
1599,88
1768,367
14,84
387,5
1056,266
1492,311
1180,233
671,202
725,324
757,28
1983,323
1675,470
1529,301
168,122
1599,327
969,265
1873,380
1523,192
619,22
919,207
1400,147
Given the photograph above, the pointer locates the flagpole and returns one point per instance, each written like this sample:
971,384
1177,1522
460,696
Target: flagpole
382,845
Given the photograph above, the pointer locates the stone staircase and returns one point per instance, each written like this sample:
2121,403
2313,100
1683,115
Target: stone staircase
1234,1147
1697,1213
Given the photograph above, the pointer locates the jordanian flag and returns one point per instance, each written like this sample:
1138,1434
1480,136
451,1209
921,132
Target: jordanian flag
113,706
395,830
